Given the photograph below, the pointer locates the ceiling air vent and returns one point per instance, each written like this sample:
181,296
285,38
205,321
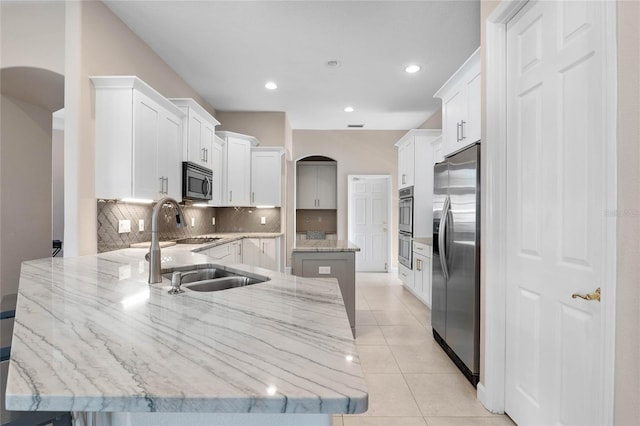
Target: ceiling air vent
355,126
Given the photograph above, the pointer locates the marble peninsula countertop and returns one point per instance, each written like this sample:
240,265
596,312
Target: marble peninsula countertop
427,241
324,245
226,237
91,335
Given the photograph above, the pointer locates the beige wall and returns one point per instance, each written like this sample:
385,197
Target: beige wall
627,390
627,405
433,122
98,43
32,35
270,127
357,152
25,185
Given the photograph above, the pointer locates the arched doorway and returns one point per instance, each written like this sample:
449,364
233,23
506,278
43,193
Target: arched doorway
29,97
316,198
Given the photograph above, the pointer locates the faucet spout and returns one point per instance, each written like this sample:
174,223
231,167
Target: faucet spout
155,269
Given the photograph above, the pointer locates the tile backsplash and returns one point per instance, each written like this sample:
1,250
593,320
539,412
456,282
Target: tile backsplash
228,219
110,212
245,219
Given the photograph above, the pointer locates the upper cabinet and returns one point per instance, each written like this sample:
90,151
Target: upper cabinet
138,141
216,160
461,106
236,169
316,185
199,130
416,159
266,172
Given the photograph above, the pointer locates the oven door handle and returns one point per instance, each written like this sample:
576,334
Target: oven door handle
442,238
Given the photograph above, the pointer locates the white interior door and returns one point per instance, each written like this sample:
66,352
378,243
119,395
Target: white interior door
368,221
556,213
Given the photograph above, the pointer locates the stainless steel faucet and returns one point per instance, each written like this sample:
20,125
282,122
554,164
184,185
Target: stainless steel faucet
155,270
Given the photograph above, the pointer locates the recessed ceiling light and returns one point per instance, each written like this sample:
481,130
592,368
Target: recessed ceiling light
348,109
271,85
412,69
333,64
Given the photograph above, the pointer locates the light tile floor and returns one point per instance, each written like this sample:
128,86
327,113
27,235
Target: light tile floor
411,381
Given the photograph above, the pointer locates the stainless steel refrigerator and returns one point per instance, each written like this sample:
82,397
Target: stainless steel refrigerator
455,311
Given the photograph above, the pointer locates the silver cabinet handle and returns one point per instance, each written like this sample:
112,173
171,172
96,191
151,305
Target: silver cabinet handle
230,195
262,247
253,197
458,132
206,155
166,191
462,136
202,156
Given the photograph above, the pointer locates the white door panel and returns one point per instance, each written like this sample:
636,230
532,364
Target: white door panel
368,222
555,205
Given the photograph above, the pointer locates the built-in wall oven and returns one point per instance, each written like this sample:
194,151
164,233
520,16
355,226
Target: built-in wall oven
405,227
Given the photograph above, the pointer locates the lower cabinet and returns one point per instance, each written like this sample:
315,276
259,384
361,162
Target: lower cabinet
406,276
421,285
231,252
261,252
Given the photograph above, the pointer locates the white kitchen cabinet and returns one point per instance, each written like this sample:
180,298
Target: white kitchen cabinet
461,106
231,252
316,188
216,169
199,129
406,276
236,168
419,165
262,252
138,141
266,172
406,167
438,156
422,272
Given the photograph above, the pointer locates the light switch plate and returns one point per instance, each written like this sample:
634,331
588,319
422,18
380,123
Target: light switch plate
324,270
213,220
193,221
141,225
263,220
124,226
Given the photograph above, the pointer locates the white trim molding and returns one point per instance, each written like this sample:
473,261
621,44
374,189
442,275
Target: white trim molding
491,391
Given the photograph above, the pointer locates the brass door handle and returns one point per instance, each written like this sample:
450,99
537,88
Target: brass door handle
589,296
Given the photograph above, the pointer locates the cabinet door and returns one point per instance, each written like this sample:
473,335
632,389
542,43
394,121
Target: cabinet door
206,144
406,165
216,169
170,155
438,156
472,129
453,114
265,178
146,116
307,180
238,172
269,254
326,187
236,248
196,154
251,251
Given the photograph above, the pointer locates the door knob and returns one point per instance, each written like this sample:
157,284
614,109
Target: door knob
588,296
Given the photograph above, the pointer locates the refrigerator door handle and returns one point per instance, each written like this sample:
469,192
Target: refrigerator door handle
441,237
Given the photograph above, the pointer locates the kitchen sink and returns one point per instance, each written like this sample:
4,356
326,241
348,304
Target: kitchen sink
213,278
198,240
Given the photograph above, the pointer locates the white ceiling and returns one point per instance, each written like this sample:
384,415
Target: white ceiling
228,50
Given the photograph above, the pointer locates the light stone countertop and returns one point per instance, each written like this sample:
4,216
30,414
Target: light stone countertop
224,238
91,335
427,241
324,245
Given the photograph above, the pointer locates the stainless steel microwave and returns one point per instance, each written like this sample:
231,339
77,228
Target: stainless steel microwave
197,182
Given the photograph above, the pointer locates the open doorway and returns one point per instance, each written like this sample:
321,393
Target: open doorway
316,198
368,221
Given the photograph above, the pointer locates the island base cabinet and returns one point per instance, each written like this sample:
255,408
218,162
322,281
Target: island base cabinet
201,419
340,265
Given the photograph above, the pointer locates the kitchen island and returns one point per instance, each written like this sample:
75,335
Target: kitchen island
329,258
92,337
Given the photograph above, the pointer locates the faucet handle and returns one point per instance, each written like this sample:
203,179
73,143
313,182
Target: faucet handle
176,281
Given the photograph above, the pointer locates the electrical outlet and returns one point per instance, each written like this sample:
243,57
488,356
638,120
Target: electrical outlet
213,220
141,225
124,226
324,270
319,218
193,221
263,220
